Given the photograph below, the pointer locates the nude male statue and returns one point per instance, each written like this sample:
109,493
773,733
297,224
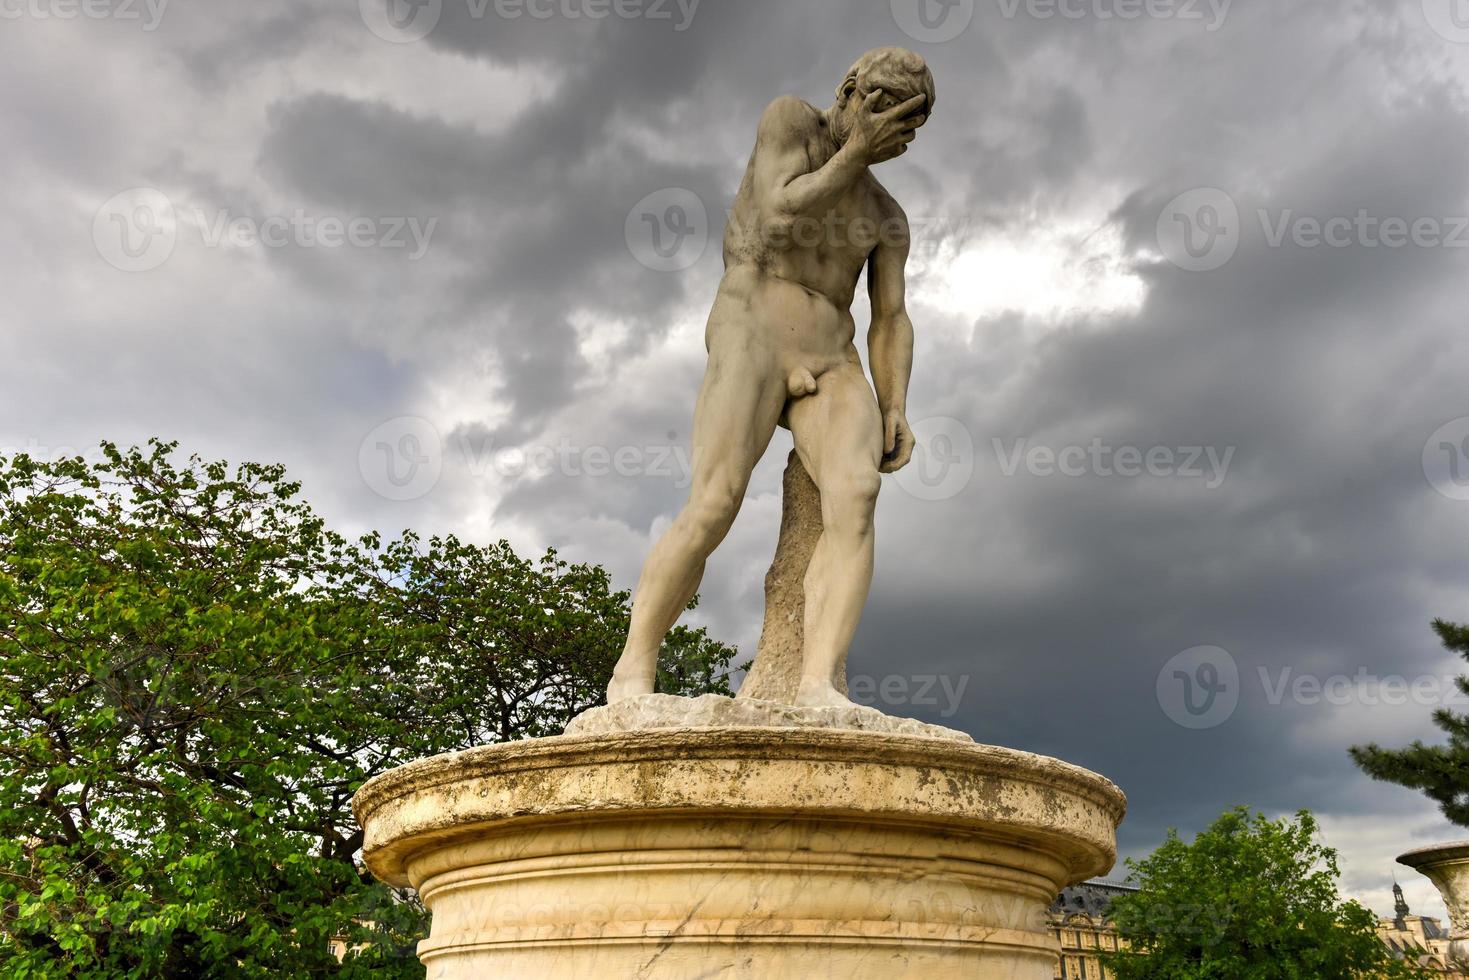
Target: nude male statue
808,218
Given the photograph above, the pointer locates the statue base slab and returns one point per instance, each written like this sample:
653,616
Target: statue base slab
739,853
714,711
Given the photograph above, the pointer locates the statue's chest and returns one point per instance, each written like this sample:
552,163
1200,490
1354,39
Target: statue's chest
851,228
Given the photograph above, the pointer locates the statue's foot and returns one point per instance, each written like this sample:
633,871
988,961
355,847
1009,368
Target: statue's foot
625,686
820,693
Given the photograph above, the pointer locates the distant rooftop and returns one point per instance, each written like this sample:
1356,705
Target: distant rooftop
1091,898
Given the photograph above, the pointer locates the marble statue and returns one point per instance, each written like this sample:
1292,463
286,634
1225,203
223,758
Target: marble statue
786,833
808,218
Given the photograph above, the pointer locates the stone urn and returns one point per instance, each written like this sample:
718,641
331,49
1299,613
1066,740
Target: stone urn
1447,866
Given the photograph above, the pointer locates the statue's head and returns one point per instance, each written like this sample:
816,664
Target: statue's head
898,73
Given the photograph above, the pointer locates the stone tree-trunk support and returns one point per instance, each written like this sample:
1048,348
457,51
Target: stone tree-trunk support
776,673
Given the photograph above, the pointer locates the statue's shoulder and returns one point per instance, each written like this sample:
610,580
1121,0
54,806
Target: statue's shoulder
789,116
884,203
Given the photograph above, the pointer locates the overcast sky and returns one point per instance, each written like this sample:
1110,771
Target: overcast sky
451,263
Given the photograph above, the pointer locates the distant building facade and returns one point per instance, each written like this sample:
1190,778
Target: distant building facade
1419,938
1081,924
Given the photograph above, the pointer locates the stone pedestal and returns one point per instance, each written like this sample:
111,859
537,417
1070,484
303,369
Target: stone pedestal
739,852
1447,866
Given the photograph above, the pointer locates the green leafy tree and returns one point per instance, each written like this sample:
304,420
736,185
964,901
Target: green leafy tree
1249,899
196,674
1440,772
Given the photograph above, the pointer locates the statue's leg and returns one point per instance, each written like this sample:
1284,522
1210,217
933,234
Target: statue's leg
838,433
736,414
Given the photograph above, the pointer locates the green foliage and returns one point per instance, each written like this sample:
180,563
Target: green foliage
1249,899
1440,772
196,675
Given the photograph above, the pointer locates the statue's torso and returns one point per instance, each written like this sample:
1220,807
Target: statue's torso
793,286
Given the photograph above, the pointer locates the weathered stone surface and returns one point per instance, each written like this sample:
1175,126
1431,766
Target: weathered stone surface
651,711
776,672
739,853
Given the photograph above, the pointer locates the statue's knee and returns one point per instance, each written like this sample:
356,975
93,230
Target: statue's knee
863,487
850,500
710,513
